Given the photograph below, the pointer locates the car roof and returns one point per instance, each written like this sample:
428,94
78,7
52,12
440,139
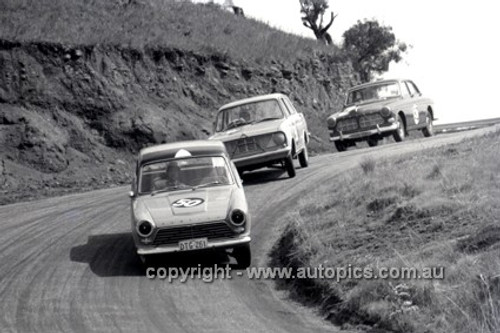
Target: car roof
169,150
253,100
376,82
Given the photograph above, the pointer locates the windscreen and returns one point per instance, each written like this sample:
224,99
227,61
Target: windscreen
250,113
184,173
373,93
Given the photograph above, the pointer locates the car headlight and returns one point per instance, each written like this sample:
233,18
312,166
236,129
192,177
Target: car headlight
279,138
238,217
386,111
331,121
144,228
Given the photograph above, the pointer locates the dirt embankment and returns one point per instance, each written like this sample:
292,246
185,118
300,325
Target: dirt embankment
73,116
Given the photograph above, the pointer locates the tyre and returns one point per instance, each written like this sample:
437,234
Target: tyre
289,167
428,130
243,255
340,146
399,134
372,142
304,157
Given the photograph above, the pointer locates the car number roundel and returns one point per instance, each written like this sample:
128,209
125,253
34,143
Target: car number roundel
187,202
416,115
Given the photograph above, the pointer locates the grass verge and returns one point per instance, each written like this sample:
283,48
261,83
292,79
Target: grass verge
435,208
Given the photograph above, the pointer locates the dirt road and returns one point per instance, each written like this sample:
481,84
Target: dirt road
68,263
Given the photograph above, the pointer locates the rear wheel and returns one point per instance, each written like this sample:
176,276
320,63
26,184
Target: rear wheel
372,142
304,157
243,255
399,134
289,167
428,130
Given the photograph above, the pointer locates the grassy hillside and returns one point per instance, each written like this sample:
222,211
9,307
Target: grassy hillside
85,84
435,208
176,24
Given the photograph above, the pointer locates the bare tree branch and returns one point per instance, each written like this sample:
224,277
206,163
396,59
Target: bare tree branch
313,19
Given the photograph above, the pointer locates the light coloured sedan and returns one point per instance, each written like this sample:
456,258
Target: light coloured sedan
378,109
263,131
187,196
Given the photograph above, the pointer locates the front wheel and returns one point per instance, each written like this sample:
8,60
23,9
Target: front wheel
340,146
289,167
304,157
372,142
148,261
428,130
243,255
399,134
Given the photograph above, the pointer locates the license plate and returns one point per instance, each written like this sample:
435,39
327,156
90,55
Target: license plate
193,244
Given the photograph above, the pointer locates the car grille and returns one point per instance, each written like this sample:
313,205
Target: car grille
348,124
362,122
173,235
370,120
251,145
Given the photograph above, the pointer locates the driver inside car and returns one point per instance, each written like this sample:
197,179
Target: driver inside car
246,116
171,177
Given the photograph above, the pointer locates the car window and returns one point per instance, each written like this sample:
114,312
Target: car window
288,112
219,121
248,114
289,105
373,92
412,88
404,90
184,173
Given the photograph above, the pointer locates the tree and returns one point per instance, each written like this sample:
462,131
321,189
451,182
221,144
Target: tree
313,11
372,47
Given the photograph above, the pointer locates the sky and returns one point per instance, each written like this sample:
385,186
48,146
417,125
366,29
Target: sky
454,54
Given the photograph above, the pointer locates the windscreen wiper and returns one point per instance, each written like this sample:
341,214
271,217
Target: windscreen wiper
266,119
207,184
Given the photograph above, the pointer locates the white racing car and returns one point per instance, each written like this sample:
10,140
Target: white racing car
263,131
187,196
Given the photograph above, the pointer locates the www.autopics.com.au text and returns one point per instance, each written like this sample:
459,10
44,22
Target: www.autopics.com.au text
211,273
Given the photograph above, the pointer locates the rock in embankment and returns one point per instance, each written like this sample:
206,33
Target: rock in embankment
64,104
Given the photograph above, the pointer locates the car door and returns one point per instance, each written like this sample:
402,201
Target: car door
417,106
297,123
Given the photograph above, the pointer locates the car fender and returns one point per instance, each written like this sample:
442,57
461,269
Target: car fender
290,133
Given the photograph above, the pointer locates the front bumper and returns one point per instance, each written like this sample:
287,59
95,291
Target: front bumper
357,135
212,244
261,158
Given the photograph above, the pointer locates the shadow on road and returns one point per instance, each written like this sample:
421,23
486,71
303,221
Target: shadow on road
109,255
115,255
263,176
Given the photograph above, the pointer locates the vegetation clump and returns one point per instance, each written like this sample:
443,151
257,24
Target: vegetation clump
423,213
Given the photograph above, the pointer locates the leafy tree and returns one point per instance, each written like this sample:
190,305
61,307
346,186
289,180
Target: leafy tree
313,11
372,47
